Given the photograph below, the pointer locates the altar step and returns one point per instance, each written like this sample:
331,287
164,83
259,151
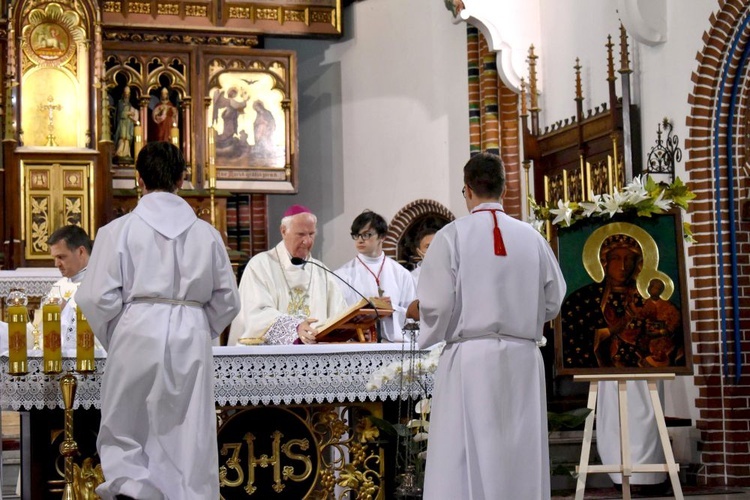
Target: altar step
565,455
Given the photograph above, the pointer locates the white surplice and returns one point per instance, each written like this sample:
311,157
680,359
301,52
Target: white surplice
645,445
488,426
159,286
395,281
415,274
265,295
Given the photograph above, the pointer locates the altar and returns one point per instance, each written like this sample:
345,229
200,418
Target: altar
292,420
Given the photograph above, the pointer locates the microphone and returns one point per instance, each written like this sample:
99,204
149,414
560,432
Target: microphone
299,261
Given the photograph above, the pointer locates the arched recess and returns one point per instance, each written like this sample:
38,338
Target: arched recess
405,225
717,169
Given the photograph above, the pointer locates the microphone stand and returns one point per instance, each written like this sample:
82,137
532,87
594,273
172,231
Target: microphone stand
298,261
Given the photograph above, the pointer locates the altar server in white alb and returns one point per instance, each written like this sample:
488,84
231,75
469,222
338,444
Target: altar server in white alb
283,302
488,285
159,287
373,274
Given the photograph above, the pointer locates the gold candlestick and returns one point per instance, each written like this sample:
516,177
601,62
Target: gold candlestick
68,448
18,316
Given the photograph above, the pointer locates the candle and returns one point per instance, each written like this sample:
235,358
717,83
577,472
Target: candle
84,344
174,134
138,136
211,158
18,316
52,337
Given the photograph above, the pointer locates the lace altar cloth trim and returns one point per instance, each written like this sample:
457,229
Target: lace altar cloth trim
247,375
33,286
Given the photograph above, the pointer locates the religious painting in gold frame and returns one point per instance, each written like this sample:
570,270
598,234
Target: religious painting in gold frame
626,308
252,114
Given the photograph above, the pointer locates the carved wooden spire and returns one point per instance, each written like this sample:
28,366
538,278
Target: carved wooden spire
524,109
610,59
532,79
624,55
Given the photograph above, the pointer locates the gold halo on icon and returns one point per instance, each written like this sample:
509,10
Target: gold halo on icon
650,268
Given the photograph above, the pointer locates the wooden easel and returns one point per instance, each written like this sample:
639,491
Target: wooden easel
626,468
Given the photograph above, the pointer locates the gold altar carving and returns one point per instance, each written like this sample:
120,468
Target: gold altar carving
300,452
54,195
53,41
284,17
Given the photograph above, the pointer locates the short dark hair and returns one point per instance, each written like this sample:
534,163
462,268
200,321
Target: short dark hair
425,231
73,236
160,165
376,222
484,173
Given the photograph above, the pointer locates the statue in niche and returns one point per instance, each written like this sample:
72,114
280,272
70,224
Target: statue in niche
127,119
164,116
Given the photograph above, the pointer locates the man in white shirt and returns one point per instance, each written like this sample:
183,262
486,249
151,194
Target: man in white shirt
70,246
373,274
489,283
283,302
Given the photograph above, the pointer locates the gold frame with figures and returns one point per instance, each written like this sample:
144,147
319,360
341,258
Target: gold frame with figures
252,113
626,309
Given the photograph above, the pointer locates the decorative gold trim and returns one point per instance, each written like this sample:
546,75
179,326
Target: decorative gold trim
190,39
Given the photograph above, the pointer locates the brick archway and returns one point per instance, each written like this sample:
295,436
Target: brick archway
714,124
405,220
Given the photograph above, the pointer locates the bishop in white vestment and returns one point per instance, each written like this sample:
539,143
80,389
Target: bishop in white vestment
159,287
279,299
488,284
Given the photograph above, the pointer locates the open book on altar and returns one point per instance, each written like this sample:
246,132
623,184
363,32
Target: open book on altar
356,323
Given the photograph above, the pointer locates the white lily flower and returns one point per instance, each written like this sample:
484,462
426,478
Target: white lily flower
563,212
422,455
589,208
661,203
611,204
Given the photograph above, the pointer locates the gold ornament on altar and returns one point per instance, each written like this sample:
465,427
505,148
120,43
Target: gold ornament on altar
86,478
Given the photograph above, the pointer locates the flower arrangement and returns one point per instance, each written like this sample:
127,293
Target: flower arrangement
411,437
642,196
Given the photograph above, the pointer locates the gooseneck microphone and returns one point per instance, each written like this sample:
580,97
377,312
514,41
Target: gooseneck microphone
297,261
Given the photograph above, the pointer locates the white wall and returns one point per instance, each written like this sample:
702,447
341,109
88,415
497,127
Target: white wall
383,111
383,117
661,84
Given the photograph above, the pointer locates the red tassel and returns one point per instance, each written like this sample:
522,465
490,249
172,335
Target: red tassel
499,243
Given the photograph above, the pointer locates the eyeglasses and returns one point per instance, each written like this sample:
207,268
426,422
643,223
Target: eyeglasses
362,236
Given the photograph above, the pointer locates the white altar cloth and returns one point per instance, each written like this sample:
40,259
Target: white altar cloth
35,281
244,376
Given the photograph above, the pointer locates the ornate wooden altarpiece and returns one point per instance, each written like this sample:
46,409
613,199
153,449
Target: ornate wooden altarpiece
195,74
590,153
